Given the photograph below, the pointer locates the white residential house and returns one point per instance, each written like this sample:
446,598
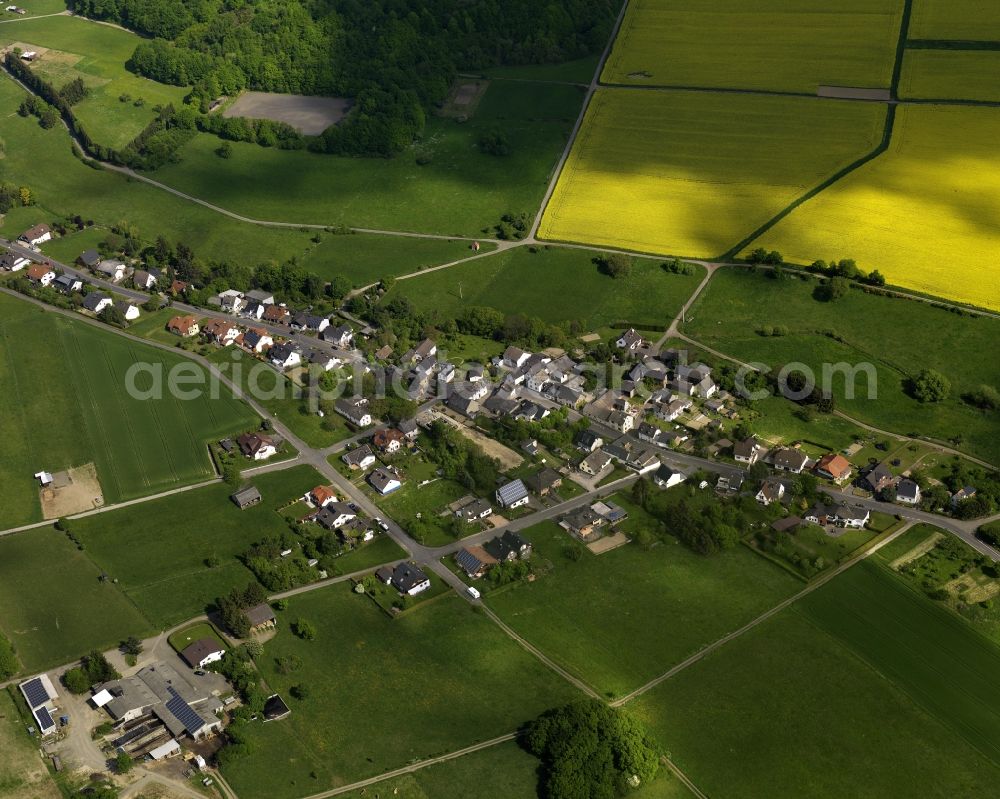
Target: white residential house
771,490
231,300
128,309
630,340
36,235
513,494
285,356
341,336
667,477
257,339
41,275
112,269
354,411
748,451
515,357
907,492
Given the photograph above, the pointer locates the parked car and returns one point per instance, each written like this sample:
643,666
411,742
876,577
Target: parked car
381,523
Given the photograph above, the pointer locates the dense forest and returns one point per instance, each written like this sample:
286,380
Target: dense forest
394,58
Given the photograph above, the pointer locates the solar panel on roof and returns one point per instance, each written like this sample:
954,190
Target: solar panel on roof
43,718
184,712
35,692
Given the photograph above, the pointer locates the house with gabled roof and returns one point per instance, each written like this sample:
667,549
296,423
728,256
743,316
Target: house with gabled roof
771,490
630,340
354,410
96,301
833,466
876,478
40,275
36,234
513,495
257,446
359,458
385,480
748,451
790,460
184,326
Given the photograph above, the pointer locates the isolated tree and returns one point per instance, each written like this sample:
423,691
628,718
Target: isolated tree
131,646
304,629
616,265
123,763
930,386
833,289
301,692
76,681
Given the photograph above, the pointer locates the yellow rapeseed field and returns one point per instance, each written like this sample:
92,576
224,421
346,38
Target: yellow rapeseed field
926,213
955,19
951,74
694,173
789,45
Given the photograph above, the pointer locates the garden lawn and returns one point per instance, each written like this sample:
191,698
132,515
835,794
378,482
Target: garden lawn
682,178
555,284
442,663
78,48
416,508
950,75
64,186
898,337
55,607
619,619
785,45
69,405
382,550
786,710
978,20
926,213
182,639
458,190
926,651
282,398
66,249
158,550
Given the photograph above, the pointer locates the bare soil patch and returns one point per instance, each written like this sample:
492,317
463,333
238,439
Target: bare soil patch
464,98
494,449
73,491
602,545
308,115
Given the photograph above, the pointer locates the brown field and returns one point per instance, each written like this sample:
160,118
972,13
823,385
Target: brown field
81,492
308,115
465,96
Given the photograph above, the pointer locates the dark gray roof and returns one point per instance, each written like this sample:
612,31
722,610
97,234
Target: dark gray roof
512,492
407,576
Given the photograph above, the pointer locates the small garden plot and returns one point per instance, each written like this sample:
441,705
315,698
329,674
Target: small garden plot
182,639
308,115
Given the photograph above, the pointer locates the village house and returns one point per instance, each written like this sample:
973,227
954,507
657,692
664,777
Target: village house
582,522
964,493
112,269
129,310
230,300
621,421
40,275
335,515
261,296
354,410
36,235
771,490
790,460
474,510
341,336
668,477
507,547
630,341
876,478
96,301
67,284
307,321
694,380
178,287
246,497
360,458
202,652
285,355
385,480
544,481
841,515
388,441
908,492
833,466
649,433
276,314
588,441
146,279
595,463
253,310
321,496
673,409
748,451
89,259
409,429
184,326
407,578
514,357
256,446
221,332
474,561
11,262
512,495
256,339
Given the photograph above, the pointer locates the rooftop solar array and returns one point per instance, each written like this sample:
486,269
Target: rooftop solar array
184,712
35,692
43,718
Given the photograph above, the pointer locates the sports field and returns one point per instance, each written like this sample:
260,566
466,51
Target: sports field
72,47
926,213
385,692
737,303
68,405
786,45
555,284
669,172
951,75
976,20
443,184
158,550
658,606
789,711
55,606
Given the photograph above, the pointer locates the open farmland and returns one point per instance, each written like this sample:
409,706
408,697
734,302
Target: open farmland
158,550
669,172
974,20
556,284
72,47
926,651
926,213
951,75
443,184
737,303
786,711
694,600
77,613
786,45
441,663
69,406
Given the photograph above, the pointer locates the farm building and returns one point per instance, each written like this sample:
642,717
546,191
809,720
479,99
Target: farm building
261,618
246,497
39,694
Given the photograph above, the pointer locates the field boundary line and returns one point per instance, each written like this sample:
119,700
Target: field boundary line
785,603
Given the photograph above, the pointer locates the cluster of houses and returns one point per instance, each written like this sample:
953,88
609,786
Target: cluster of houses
335,514
590,522
476,561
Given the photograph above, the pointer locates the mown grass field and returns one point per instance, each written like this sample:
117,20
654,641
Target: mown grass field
977,20
950,75
158,550
458,191
69,405
555,284
385,692
55,607
78,48
23,775
683,179
926,213
35,8
658,606
898,337
580,70
789,711
926,651
787,45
